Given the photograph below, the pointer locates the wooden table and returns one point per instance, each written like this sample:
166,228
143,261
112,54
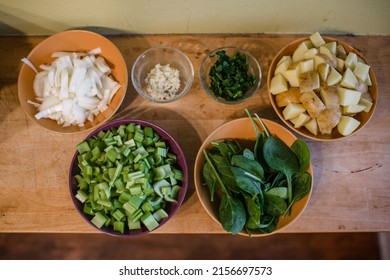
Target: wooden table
351,177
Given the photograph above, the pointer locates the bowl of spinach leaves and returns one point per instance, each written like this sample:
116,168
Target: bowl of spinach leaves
230,75
253,176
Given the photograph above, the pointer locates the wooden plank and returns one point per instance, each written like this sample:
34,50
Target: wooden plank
351,184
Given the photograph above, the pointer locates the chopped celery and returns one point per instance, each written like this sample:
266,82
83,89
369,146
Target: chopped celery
127,177
149,221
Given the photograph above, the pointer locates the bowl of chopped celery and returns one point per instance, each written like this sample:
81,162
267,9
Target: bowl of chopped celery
128,177
230,75
162,74
72,81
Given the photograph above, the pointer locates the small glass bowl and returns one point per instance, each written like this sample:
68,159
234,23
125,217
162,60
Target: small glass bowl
209,61
162,55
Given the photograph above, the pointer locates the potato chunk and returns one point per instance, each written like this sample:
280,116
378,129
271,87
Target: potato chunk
327,120
290,96
312,103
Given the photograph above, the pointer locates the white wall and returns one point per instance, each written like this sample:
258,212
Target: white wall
45,17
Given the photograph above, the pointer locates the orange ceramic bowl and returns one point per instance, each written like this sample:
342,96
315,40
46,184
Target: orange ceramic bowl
242,130
363,117
72,40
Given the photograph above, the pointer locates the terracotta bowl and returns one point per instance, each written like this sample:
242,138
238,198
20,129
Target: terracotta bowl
243,130
171,207
73,40
363,117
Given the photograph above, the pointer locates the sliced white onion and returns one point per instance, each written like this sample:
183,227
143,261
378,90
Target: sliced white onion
74,88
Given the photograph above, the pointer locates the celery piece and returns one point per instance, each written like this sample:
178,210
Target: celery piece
124,197
118,140
118,215
175,191
178,174
130,143
105,203
160,214
148,131
81,196
169,199
146,207
134,225
138,136
136,215
147,141
162,151
160,184
83,147
135,189
119,226
160,144
88,210
130,127
112,154
99,220
149,221
132,204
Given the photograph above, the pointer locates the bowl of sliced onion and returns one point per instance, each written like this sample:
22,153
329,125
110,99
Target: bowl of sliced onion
72,81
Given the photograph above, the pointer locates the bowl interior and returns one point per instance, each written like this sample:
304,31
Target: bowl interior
73,40
242,129
162,55
208,63
363,117
174,147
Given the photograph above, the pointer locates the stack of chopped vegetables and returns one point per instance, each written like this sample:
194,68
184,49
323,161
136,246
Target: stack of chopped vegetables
127,178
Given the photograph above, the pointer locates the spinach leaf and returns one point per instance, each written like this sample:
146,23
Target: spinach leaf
254,213
278,191
274,205
301,185
248,154
210,179
232,213
249,165
245,182
301,149
281,158
224,168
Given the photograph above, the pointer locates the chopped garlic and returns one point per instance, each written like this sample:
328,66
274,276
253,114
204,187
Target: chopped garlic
163,82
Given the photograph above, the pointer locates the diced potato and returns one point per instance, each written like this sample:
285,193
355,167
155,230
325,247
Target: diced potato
312,103
349,80
310,53
332,46
347,125
306,65
285,57
309,44
301,120
352,109
312,126
366,103
327,120
368,81
341,52
340,65
361,86
334,77
327,52
290,96
330,97
278,84
317,39
351,60
292,111
283,66
318,59
292,74
309,81
323,69
299,52
348,96
368,96
361,71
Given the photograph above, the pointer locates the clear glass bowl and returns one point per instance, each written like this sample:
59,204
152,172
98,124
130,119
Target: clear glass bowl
209,61
162,55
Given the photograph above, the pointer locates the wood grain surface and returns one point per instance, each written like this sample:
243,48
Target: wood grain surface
351,177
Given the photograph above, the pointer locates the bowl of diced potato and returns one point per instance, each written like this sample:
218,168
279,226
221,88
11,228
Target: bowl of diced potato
322,88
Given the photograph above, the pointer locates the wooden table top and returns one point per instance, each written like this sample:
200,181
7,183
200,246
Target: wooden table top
351,177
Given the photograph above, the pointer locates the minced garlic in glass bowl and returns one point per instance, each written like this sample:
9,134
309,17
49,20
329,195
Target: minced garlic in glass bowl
162,74
163,82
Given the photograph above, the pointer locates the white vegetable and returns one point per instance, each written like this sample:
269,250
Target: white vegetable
75,87
163,82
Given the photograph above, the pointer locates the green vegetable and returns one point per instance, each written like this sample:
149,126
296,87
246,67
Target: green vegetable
230,76
127,178
265,182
